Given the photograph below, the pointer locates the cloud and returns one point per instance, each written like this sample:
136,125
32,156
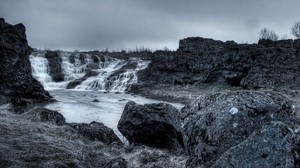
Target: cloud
121,24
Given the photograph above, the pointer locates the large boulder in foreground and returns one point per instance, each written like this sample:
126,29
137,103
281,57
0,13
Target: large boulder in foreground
16,81
222,121
97,132
274,145
154,125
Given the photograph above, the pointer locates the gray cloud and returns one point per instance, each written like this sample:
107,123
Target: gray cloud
122,24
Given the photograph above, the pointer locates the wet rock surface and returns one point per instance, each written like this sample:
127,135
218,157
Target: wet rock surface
219,122
16,81
55,68
152,124
76,82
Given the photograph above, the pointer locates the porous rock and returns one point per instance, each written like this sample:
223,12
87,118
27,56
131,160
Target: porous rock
154,125
97,132
225,120
273,145
45,115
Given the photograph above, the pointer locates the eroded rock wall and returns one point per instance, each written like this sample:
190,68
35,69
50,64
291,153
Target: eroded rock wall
199,60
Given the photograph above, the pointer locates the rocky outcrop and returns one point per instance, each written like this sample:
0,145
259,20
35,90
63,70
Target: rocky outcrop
16,82
97,132
200,60
55,68
154,125
220,122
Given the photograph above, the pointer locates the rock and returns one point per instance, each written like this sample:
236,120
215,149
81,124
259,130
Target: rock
55,62
16,81
201,60
95,100
271,146
117,163
154,125
76,82
97,132
2,20
221,122
24,143
45,115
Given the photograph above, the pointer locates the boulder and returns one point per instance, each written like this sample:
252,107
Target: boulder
97,132
222,121
45,115
273,145
153,125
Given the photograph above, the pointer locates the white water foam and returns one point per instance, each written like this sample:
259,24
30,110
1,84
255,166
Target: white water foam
77,69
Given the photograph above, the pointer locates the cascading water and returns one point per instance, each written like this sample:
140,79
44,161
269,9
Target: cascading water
110,74
39,66
90,72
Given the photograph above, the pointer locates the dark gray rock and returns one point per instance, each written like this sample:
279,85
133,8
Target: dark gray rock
97,132
16,81
222,121
200,60
95,100
117,163
271,146
154,125
24,143
76,82
45,115
54,62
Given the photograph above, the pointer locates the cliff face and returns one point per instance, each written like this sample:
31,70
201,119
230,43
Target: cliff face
16,82
199,60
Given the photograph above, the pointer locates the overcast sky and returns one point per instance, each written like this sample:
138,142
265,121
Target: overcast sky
155,24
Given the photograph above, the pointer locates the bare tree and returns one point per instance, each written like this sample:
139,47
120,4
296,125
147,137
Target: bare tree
296,30
268,34
284,37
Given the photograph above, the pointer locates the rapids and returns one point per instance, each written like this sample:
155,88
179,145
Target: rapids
97,98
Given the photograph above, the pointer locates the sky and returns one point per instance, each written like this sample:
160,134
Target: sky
153,24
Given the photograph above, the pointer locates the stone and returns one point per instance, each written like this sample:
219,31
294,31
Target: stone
45,115
77,82
271,146
95,100
153,125
219,122
97,132
55,61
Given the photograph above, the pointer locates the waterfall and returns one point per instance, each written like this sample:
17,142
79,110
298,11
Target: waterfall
88,71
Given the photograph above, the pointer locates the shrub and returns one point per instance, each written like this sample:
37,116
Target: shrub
295,30
268,34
